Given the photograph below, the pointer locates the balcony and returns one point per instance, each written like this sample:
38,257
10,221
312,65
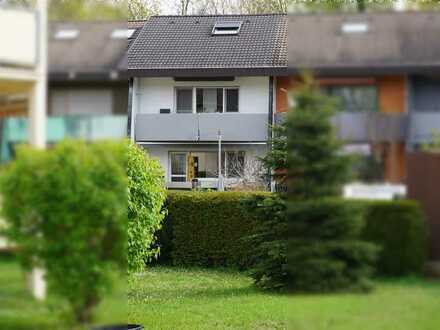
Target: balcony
234,127
361,127
422,125
90,128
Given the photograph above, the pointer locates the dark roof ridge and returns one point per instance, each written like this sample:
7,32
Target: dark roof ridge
366,13
220,15
87,22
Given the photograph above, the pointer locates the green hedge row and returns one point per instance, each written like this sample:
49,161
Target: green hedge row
399,228
206,229
210,229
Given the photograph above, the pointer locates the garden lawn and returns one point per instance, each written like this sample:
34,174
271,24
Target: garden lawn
19,311
173,298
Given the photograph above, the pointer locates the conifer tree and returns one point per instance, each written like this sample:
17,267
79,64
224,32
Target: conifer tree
309,239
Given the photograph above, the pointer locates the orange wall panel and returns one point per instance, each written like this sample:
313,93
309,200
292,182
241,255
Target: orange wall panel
283,85
391,94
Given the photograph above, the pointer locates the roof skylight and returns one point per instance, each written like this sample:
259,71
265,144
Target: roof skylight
66,34
354,27
226,28
122,33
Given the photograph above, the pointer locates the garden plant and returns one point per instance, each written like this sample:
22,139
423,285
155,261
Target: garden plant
66,209
313,243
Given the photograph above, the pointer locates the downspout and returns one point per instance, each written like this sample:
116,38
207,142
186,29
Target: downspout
130,106
270,124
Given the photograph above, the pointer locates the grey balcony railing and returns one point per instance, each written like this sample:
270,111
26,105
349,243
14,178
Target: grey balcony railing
87,127
234,127
422,125
365,126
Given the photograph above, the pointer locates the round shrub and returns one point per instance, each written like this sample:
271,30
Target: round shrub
146,195
400,229
66,210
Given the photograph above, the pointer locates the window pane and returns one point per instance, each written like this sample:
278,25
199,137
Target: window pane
178,164
209,100
355,98
232,100
235,162
184,100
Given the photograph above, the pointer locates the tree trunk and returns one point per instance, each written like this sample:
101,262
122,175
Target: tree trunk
84,312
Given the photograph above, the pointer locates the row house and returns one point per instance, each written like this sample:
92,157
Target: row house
196,79
87,90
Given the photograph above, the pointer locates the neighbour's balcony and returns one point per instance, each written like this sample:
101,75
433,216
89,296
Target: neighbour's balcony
422,125
172,127
361,127
88,127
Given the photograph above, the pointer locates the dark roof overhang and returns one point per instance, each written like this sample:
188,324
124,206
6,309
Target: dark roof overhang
98,76
208,72
368,70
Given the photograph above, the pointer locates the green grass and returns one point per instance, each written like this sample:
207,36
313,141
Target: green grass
170,298
19,311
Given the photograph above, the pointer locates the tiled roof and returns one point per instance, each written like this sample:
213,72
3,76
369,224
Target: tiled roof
186,43
93,51
391,40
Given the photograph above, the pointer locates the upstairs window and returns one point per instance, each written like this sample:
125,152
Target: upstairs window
354,28
226,28
184,100
231,99
207,99
354,98
122,33
66,34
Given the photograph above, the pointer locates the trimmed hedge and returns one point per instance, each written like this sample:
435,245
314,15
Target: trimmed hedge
206,228
211,229
400,229
311,246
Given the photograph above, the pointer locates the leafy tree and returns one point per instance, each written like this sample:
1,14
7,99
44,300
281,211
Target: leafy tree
142,9
66,209
86,10
434,145
146,195
264,6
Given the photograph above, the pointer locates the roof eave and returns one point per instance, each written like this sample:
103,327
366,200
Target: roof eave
208,72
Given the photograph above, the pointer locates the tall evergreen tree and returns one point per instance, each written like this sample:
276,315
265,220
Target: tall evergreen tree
309,241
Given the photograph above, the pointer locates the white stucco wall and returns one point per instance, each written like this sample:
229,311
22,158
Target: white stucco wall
155,93
162,152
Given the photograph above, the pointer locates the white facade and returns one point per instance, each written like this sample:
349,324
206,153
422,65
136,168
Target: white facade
163,152
153,94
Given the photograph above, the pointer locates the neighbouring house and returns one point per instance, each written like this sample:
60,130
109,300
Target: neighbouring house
87,85
23,64
192,77
385,69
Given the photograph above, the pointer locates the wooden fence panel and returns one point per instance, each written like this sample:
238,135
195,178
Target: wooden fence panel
423,180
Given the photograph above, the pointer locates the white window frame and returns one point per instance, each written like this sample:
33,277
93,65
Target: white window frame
175,98
170,171
194,97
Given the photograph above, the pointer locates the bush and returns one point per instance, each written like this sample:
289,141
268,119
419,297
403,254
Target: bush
311,246
66,208
400,229
146,195
207,228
